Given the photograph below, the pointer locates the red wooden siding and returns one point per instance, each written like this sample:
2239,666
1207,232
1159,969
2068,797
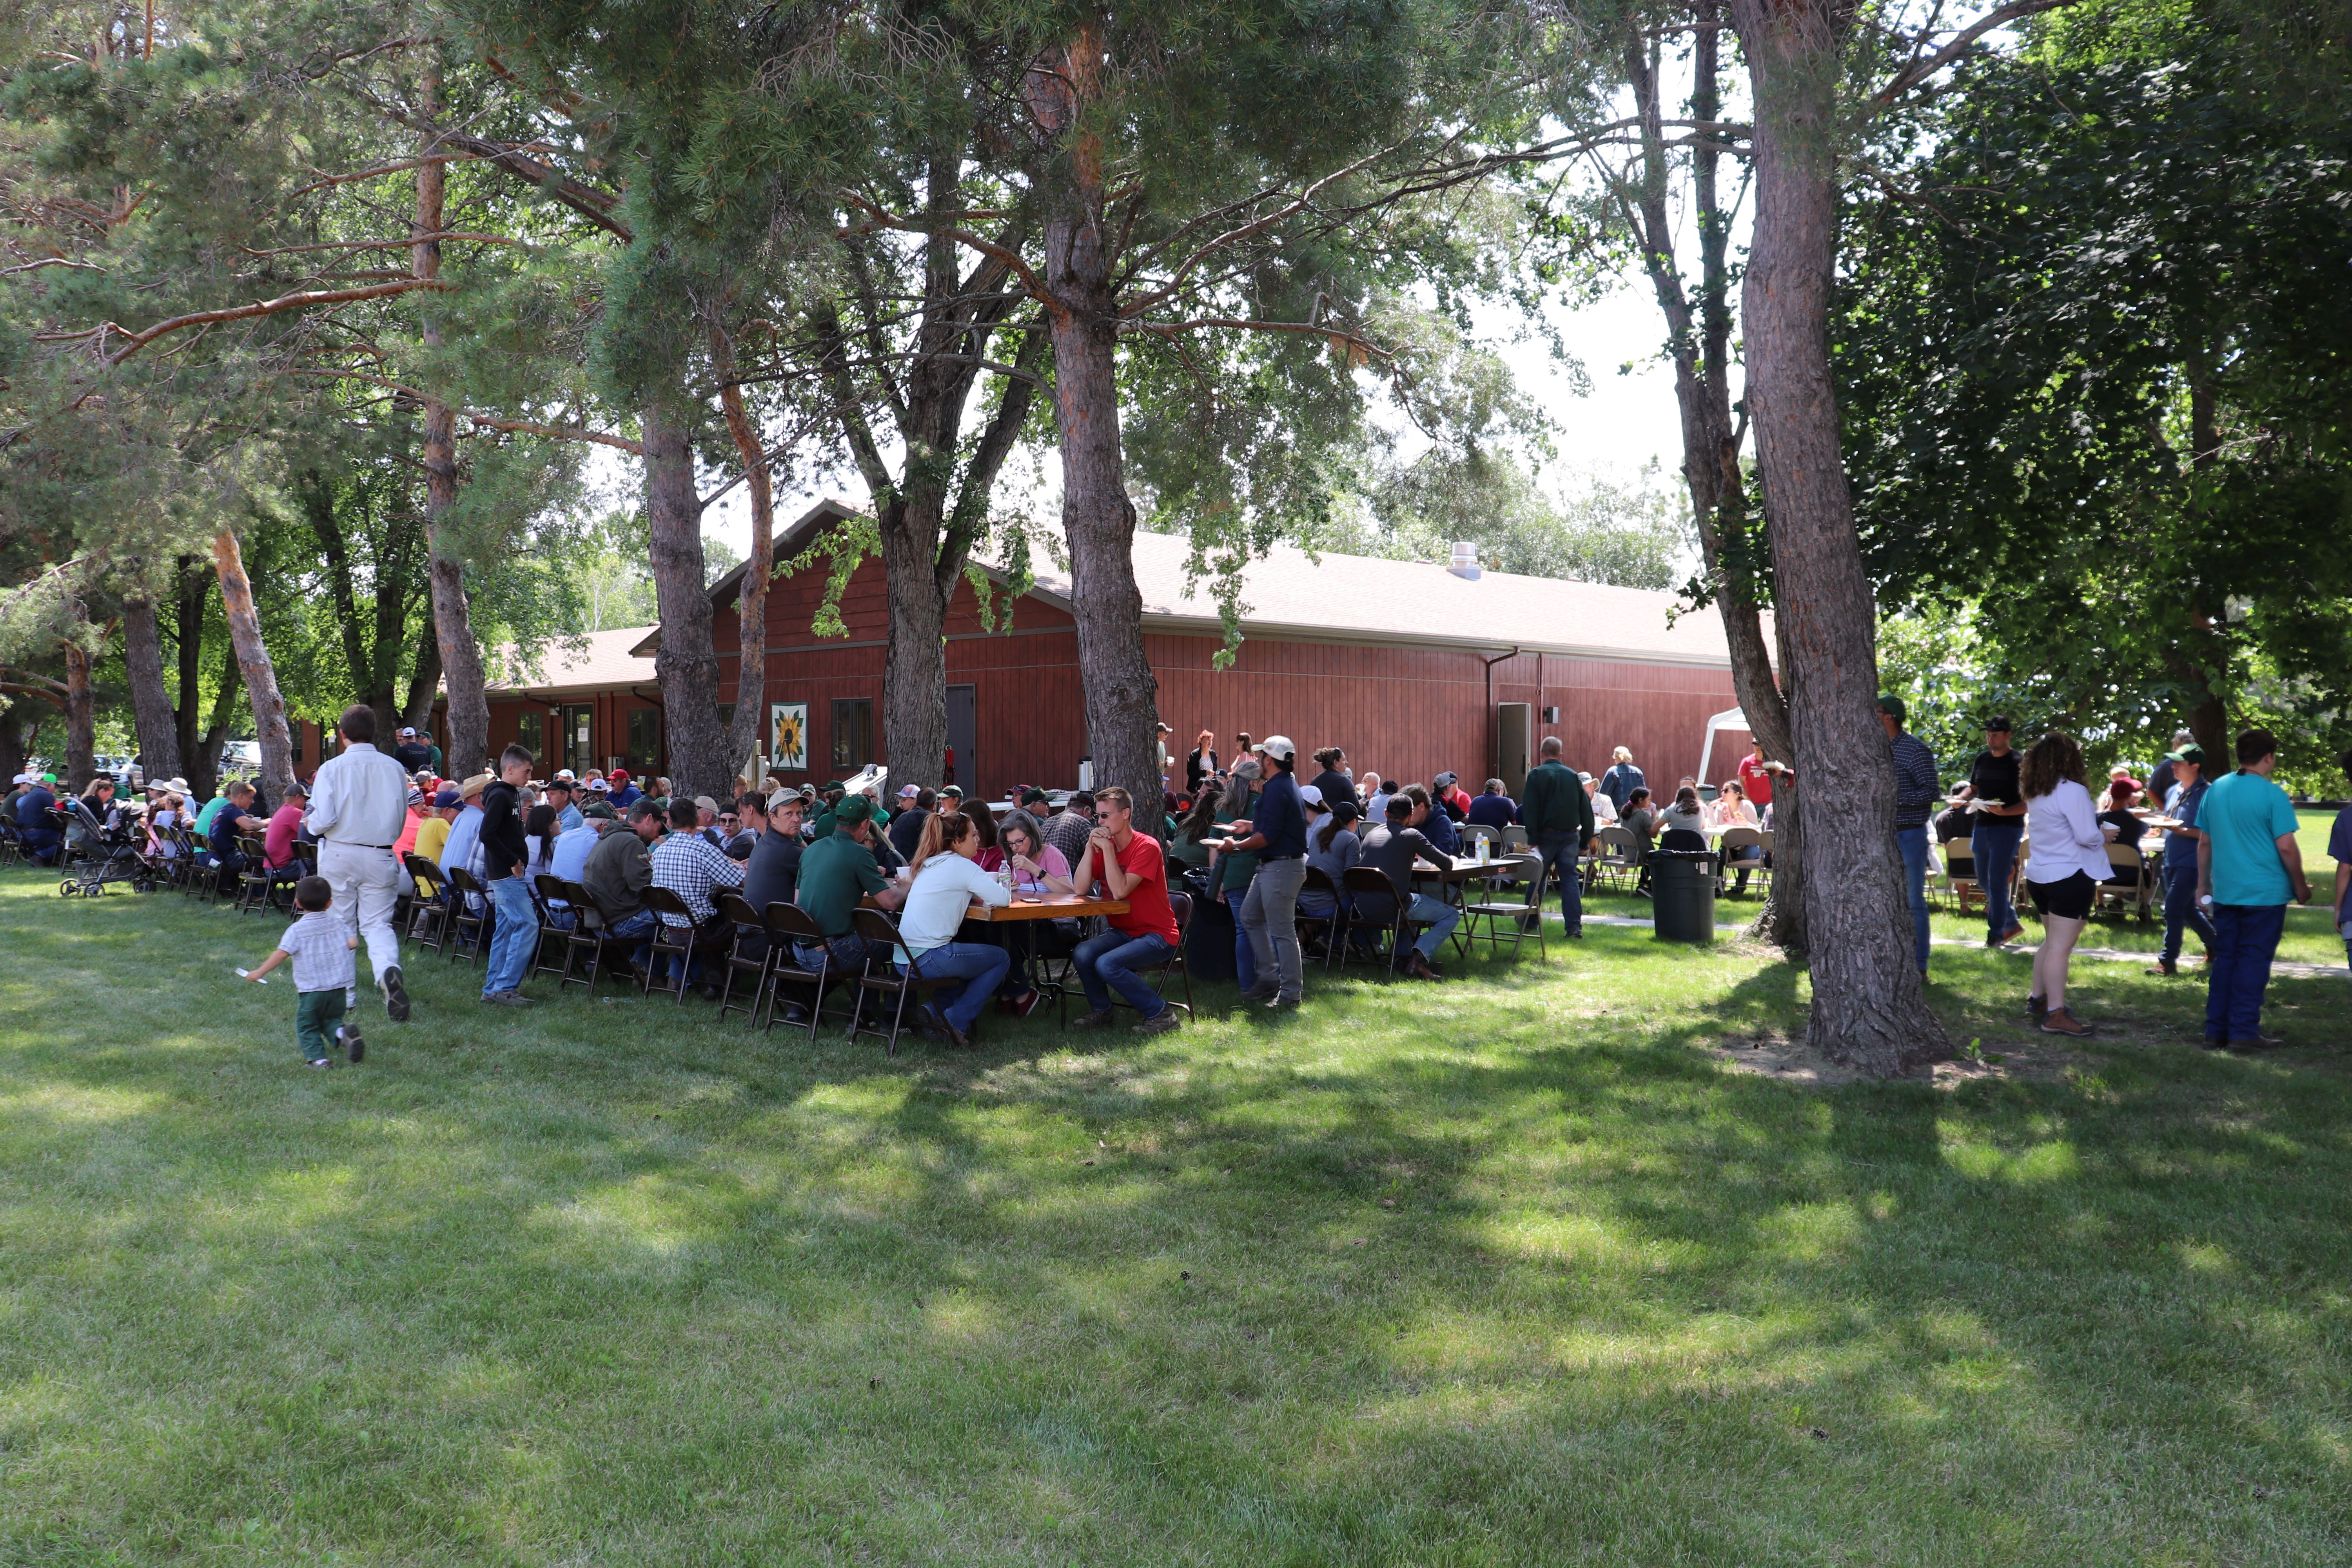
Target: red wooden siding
1404,712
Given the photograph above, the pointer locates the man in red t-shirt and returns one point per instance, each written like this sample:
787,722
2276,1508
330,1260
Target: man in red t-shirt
1754,777
284,825
1129,865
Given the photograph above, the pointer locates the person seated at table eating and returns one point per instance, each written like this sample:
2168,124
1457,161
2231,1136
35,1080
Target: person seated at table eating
947,880
1730,809
836,873
1036,866
1432,821
1493,809
1605,809
1131,866
1685,815
1641,820
235,821
284,832
2115,812
1331,848
1038,870
1394,847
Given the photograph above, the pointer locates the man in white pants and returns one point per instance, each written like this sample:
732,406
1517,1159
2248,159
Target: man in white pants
359,805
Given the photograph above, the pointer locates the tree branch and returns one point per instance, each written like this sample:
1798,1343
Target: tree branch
134,341
1912,75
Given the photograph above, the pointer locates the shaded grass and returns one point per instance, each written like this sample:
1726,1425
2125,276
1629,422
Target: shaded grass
1503,1272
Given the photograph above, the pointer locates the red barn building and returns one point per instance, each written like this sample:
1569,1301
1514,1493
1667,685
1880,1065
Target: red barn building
1412,668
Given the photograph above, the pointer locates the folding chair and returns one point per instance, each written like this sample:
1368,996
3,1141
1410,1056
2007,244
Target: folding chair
790,928
428,906
252,876
1181,903
469,923
1960,875
547,895
747,923
2129,883
881,976
1739,839
1318,881
679,941
1620,853
1519,917
589,931
1516,838
1369,885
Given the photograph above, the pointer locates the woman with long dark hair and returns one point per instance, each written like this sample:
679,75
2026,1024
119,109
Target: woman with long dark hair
2068,859
947,880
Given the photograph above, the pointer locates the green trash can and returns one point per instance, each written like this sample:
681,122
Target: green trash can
1682,894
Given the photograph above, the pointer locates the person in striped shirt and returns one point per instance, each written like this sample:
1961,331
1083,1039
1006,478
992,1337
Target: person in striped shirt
321,947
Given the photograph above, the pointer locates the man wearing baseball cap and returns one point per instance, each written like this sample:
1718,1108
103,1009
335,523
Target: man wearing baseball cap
1276,833
410,753
559,795
625,792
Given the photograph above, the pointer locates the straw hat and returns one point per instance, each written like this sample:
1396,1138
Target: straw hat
474,787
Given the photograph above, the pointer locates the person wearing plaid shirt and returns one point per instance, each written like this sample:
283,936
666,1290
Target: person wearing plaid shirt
692,867
321,947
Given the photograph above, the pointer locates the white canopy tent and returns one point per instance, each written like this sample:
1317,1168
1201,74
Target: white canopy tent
1729,719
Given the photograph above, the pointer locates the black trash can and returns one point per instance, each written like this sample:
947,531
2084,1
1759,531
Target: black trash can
1682,894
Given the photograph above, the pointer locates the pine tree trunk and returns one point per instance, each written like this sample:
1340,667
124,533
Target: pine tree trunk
150,700
16,729
467,753
914,668
1098,519
1869,1008
82,720
195,587
424,680
749,728
253,664
685,663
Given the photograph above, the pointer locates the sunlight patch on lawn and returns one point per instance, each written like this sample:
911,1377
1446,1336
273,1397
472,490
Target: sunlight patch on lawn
653,1223
67,1104
2037,1165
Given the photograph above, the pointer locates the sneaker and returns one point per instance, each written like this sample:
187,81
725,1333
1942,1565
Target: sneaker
1097,1018
395,995
2037,1008
2058,1021
354,1047
1160,1022
320,1062
2243,1046
506,998
2164,966
1024,1004
1261,992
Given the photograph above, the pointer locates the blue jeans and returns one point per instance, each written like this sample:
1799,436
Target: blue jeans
1559,853
976,966
2246,938
1995,847
515,937
2180,904
1913,842
1107,962
1442,917
1245,958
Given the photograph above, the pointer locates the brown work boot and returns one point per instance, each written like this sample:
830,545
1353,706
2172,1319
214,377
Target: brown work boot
1420,968
2164,966
2058,1021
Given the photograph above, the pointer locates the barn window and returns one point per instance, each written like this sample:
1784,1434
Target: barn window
852,734
645,739
528,732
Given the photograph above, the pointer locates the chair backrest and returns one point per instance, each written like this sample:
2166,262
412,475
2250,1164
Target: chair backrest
464,881
1960,860
1618,843
423,872
793,923
1369,881
1517,836
583,902
1181,905
1317,880
664,902
2125,857
1682,838
733,904
252,848
1742,837
1472,832
874,926
551,887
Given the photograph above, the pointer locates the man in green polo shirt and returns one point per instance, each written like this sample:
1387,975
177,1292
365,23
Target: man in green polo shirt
2247,866
830,795
836,873
1558,817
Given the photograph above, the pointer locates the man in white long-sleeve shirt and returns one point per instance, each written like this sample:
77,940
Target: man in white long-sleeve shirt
358,806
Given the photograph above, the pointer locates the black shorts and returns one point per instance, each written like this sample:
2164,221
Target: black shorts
2070,898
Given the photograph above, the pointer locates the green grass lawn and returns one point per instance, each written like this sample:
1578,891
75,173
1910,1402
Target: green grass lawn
1512,1269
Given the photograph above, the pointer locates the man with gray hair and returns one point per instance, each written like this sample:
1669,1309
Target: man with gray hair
359,808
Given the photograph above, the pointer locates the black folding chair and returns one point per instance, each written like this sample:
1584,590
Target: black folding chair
881,976
790,929
253,878
428,906
548,894
591,930
1368,887
469,923
747,924
1327,926
681,941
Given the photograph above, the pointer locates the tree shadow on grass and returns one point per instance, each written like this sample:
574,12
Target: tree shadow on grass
1532,1282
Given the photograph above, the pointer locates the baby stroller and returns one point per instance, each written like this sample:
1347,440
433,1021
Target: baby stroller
107,855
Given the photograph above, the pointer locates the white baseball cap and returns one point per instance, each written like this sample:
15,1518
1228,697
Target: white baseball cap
598,787
911,792
1311,794
408,731
1278,746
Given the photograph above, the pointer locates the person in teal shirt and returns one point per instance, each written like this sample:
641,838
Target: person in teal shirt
209,810
2248,866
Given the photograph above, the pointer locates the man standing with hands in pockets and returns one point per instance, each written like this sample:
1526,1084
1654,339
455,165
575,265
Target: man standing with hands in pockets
358,806
2247,866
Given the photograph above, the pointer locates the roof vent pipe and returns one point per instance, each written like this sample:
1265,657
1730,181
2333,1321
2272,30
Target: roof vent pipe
1465,559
